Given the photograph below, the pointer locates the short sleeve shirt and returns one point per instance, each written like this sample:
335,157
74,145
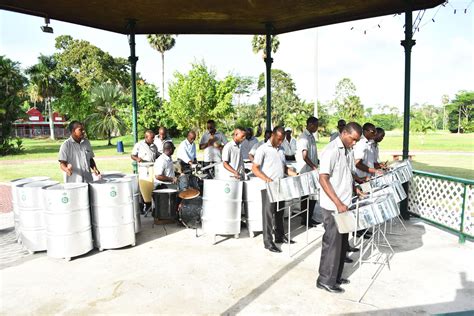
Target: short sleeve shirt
218,136
163,167
246,146
187,151
79,156
255,147
232,155
336,162
212,154
306,142
160,142
289,146
148,153
363,150
271,161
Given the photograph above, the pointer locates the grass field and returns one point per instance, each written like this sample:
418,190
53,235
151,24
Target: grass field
46,151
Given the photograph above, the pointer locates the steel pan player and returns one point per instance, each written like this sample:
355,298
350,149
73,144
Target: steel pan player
335,177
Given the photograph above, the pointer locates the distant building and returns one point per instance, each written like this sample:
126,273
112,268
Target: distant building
37,126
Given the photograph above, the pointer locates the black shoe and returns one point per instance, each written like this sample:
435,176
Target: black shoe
343,281
352,249
330,288
367,235
348,260
273,248
283,240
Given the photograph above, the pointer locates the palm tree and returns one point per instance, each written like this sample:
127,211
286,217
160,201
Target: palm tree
34,93
259,44
162,43
43,76
106,119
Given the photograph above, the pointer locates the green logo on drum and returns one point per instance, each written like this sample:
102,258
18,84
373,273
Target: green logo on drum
113,193
227,190
23,197
65,199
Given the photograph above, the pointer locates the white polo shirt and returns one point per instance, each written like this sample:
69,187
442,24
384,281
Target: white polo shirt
255,147
218,136
212,154
246,146
306,142
289,147
336,162
334,136
160,142
363,150
271,160
147,153
163,167
79,156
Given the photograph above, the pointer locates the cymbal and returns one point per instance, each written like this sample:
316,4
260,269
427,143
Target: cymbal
189,194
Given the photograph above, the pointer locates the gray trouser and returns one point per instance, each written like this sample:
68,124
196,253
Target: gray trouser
271,217
332,252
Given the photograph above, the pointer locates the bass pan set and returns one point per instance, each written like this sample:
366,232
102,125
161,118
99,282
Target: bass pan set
384,192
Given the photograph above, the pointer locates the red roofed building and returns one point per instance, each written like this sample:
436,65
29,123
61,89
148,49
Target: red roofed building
38,126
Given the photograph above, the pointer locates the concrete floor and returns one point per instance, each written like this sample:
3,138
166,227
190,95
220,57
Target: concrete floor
173,272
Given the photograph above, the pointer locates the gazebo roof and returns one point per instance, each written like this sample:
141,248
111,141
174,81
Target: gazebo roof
211,16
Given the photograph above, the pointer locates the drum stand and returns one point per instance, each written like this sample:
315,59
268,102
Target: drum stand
375,255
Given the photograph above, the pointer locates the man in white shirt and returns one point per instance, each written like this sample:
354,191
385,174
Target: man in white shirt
306,161
164,168
340,125
335,178
161,138
289,145
378,164
232,156
212,133
76,158
266,137
187,151
145,150
248,143
270,165
363,152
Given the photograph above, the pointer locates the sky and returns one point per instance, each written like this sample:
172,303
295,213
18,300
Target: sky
316,59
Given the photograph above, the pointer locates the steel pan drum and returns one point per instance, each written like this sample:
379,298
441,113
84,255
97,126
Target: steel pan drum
252,198
68,222
112,213
221,208
371,212
16,212
166,204
394,189
285,189
190,212
31,208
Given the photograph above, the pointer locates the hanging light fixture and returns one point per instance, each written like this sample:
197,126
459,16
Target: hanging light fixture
46,28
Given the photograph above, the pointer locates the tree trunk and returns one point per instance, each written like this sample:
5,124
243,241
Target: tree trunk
109,138
163,76
51,122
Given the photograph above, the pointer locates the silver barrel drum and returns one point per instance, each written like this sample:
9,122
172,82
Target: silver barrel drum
252,198
16,212
68,222
112,213
31,210
221,208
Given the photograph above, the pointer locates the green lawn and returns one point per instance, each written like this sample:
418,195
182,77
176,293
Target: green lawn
47,150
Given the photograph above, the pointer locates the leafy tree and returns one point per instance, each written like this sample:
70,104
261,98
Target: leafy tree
259,44
12,92
346,101
162,43
460,112
43,76
198,96
106,120
89,65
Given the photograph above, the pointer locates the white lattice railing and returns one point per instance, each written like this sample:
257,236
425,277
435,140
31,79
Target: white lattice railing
443,200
